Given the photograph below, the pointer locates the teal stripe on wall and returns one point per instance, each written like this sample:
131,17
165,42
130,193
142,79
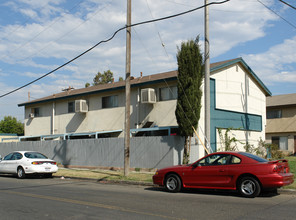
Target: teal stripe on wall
230,119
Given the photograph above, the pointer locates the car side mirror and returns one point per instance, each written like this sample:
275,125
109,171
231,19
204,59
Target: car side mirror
0,158
194,165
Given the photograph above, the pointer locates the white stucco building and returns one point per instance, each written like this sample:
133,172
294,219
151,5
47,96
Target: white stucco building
238,100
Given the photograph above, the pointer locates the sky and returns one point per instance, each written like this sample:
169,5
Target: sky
38,36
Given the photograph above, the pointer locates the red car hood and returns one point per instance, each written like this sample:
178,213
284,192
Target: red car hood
176,167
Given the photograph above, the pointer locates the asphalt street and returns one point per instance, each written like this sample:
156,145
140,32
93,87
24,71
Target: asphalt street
76,199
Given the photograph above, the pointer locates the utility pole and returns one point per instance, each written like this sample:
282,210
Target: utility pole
127,92
207,79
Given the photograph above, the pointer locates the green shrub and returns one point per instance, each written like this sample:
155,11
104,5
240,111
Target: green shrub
274,151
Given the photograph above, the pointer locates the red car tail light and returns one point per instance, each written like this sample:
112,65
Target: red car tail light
276,169
280,169
280,166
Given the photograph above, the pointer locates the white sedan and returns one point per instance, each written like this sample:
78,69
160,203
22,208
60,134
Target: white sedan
27,162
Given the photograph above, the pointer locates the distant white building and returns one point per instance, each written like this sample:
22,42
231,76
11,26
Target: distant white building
238,99
8,137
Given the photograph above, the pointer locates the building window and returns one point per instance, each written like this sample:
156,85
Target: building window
275,140
36,112
110,101
71,107
168,93
273,114
281,142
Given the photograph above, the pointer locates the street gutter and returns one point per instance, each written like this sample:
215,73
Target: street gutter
139,183
106,181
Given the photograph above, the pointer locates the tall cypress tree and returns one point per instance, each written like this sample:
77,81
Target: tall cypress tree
191,73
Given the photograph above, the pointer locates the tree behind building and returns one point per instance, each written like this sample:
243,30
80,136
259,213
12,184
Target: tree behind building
10,125
104,78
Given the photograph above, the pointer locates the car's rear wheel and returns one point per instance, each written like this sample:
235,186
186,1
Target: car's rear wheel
173,183
21,173
249,187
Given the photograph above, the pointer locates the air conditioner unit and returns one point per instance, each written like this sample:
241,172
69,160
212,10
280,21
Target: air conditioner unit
31,115
148,96
81,106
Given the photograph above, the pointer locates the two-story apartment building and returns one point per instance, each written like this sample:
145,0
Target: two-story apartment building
238,99
8,137
281,122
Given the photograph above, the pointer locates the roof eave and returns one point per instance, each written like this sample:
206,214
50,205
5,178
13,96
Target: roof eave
96,91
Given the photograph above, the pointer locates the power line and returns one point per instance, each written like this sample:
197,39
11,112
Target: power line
109,39
179,14
294,26
45,29
25,58
144,46
19,26
67,33
160,38
288,4
178,3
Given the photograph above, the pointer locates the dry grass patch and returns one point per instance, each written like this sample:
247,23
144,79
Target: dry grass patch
105,175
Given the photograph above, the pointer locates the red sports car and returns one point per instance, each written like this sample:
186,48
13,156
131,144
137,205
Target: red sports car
241,171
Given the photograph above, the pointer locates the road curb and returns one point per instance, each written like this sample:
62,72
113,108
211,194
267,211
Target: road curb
139,183
290,191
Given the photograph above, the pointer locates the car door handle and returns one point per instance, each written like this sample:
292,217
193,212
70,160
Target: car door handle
222,170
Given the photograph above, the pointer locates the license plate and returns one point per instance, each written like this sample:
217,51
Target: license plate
47,168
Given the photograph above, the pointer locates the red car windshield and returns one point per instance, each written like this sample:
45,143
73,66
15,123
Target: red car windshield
254,157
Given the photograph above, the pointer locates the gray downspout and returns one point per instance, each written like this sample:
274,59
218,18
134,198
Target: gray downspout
52,118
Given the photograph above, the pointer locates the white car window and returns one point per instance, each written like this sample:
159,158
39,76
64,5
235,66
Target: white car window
8,157
17,156
33,155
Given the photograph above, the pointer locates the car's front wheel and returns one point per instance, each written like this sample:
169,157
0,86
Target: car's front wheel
173,183
21,173
249,187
